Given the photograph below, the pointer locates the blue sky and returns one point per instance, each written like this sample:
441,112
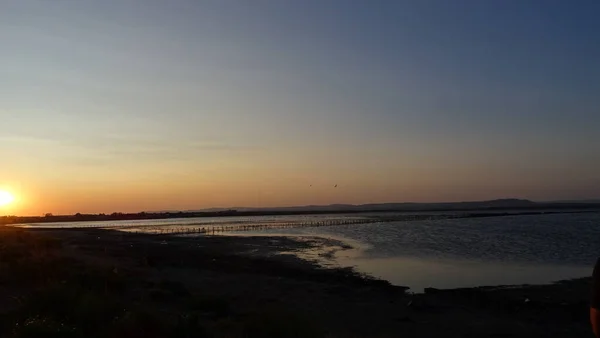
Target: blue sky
109,105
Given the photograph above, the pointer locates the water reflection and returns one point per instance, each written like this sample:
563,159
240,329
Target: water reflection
466,252
441,253
419,273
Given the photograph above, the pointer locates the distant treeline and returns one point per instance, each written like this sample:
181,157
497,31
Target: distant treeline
118,216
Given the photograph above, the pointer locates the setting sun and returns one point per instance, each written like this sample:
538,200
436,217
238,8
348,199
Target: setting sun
6,198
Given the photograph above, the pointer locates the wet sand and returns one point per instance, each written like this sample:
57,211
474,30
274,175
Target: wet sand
256,281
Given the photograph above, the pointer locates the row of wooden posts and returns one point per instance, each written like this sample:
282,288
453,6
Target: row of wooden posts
217,229
213,229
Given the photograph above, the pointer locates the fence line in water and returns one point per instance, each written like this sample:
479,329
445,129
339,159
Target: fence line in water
212,230
219,229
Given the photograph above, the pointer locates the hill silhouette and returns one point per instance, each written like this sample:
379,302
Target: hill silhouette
492,205
404,206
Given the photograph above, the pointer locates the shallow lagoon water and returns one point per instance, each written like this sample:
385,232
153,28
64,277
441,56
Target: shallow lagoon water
508,250
440,253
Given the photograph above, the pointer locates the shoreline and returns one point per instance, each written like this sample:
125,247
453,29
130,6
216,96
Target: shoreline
245,287
326,251
408,213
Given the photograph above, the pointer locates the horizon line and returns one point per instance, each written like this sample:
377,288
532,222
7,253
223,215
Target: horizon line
213,209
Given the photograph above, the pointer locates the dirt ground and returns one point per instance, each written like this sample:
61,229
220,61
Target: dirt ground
244,287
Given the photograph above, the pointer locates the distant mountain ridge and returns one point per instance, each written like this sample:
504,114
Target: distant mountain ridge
472,208
404,206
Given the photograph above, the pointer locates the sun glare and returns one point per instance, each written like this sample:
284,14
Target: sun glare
6,198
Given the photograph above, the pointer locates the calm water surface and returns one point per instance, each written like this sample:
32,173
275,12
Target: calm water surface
470,252
442,253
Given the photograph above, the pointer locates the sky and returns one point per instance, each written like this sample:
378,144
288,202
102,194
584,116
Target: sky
131,105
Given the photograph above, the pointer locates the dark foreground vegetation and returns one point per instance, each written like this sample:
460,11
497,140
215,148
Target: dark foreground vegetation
100,283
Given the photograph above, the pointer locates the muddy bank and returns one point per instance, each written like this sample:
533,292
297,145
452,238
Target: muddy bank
245,287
